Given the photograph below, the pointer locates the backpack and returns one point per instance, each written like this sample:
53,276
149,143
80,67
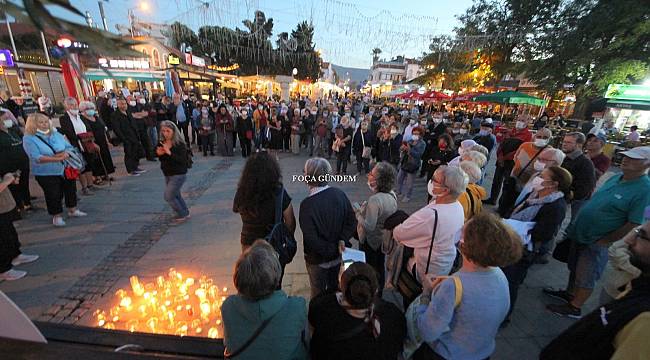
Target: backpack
280,237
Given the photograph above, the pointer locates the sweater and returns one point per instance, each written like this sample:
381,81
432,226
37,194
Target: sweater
474,205
36,148
282,337
584,175
325,219
176,163
371,221
548,220
468,331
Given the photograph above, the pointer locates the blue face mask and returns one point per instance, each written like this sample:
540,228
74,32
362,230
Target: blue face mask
483,132
91,112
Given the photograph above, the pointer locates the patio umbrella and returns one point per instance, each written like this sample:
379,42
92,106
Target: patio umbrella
435,96
510,97
466,97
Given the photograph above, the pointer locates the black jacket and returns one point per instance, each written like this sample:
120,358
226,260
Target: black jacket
357,144
325,219
68,129
124,127
548,221
584,176
176,163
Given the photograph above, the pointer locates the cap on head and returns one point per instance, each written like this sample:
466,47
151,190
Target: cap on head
639,153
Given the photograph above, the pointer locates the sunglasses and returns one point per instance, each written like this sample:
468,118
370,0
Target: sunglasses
641,234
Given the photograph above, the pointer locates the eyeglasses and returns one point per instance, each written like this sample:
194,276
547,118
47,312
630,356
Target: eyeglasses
641,234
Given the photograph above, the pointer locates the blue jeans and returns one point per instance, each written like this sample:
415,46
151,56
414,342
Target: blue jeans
405,183
153,135
173,196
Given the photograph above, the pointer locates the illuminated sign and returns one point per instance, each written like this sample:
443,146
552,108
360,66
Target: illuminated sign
223,68
64,42
6,60
194,60
628,92
173,60
123,64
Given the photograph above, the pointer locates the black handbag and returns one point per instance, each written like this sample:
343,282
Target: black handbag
407,283
280,237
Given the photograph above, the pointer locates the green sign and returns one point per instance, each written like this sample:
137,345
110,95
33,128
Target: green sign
628,92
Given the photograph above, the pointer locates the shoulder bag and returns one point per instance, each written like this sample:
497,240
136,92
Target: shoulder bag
280,237
73,165
367,150
407,284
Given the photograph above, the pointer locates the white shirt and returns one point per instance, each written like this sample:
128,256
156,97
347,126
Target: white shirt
408,132
633,136
79,126
315,190
417,230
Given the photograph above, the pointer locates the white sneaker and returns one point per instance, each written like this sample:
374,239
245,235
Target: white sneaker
12,275
139,171
23,259
77,213
58,221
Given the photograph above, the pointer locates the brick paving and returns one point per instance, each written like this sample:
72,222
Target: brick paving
127,233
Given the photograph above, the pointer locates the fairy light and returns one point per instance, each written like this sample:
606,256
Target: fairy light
173,304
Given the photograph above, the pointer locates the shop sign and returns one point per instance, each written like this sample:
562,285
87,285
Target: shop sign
6,60
628,92
191,59
173,60
123,64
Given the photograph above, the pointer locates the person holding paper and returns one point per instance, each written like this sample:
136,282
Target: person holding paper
546,206
371,216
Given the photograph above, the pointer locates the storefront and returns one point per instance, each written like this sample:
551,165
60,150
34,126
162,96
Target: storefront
43,79
628,105
134,75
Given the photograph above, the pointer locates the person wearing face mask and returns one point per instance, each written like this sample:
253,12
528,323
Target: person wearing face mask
440,152
196,123
322,133
101,163
522,170
446,185
521,130
371,215
181,115
485,137
410,162
439,127
308,121
546,207
14,159
225,126
581,168
207,130
260,119
285,123
362,143
45,105
125,129
296,130
140,113
245,131
342,145
335,119
408,130
46,149
549,157
74,126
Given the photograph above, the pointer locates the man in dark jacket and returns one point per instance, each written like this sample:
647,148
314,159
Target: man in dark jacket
581,168
125,128
327,222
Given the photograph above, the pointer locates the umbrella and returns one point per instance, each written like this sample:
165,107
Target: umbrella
510,97
435,96
466,97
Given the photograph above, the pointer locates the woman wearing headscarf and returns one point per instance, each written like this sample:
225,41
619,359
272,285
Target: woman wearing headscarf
225,126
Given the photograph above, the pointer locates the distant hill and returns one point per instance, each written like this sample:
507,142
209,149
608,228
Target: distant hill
355,74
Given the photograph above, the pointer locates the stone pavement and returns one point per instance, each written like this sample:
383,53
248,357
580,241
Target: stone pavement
127,232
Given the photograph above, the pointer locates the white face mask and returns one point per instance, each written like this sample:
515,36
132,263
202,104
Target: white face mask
539,166
313,112
455,131
520,125
132,103
74,112
142,101
437,120
463,131
8,123
44,132
541,142
372,188
415,137
393,132
537,183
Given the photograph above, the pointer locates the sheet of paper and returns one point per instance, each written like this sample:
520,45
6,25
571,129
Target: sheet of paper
522,228
351,255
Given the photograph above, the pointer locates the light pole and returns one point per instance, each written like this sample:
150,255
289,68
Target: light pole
143,6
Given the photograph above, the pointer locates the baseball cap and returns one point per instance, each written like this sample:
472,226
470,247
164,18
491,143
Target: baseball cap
641,152
487,124
600,137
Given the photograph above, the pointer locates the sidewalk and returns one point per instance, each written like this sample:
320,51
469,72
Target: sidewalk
127,233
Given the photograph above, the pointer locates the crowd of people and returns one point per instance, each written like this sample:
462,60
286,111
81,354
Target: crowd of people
437,283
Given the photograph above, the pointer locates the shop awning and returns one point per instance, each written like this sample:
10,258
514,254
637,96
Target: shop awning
98,74
628,104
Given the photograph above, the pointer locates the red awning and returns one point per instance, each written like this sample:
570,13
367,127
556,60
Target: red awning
435,96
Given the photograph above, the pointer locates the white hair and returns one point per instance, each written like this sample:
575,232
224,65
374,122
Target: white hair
476,157
316,168
454,179
472,170
85,105
70,101
557,154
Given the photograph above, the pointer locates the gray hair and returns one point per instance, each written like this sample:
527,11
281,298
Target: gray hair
176,138
546,131
386,176
257,271
477,157
480,148
85,105
580,137
70,101
454,179
316,168
557,155
472,170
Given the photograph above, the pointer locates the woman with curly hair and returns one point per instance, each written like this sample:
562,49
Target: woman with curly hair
259,185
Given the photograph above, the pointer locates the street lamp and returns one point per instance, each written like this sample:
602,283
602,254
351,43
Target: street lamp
294,71
143,6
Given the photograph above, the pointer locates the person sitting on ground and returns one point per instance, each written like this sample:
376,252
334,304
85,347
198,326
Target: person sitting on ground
467,330
259,306
354,323
471,198
546,206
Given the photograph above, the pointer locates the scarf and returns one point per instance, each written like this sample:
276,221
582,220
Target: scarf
528,210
